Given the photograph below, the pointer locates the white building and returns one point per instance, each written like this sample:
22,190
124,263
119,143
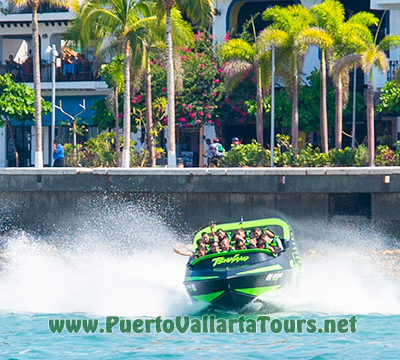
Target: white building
72,84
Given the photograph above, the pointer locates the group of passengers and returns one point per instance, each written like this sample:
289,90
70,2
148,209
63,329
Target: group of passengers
221,241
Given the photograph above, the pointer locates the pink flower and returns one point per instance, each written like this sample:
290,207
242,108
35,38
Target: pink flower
182,119
186,125
227,100
185,49
208,115
138,97
200,113
214,94
210,121
206,106
216,81
217,123
198,121
253,79
119,116
241,121
133,101
226,37
183,57
151,63
220,70
252,96
233,107
201,65
155,61
204,94
163,89
191,114
189,106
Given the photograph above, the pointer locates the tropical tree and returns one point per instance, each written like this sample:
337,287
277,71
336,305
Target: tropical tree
370,55
287,25
152,44
34,5
123,21
344,36
17,102
243,57
113,75
200,11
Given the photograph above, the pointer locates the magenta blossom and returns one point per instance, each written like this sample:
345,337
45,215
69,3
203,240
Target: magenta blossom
182,119
133,101
186,125
220,70
200,113
210,121
163,89
119,116
216,81
214,94
198,121
208,115
201,65
189,106
191,114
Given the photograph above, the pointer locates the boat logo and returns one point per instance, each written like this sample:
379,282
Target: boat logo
229,260
191,287
272,277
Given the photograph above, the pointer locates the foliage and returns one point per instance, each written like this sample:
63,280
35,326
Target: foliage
245,155
385,156
100,152
17,101
389,98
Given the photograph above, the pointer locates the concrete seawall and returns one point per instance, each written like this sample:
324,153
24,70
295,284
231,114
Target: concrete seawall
204,194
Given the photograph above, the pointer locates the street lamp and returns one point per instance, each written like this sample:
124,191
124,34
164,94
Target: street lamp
353,132
54,52
272,104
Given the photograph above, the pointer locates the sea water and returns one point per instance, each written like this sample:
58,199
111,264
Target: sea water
122,264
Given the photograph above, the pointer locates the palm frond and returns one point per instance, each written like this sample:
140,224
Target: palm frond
235,70
273,37
199,11
364,18
314,36
345,64
237,49
329,15
389,42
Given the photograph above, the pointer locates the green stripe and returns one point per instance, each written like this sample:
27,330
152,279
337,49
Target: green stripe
262,269
259,290
207,297
195,278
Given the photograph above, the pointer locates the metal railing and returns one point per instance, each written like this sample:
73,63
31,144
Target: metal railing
43,8
67,72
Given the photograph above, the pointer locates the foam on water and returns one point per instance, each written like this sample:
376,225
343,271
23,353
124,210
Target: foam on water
121,263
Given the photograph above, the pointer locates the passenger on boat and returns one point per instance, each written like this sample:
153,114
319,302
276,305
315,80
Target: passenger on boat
240,244
214,248
268,241
261,244
256,232
252,243
200,251
275,242
225,244
206,238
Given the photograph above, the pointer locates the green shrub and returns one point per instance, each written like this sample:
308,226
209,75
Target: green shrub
245,155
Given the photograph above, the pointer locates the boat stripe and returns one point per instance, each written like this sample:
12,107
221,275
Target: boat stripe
262,269
207,297
258,290
196,278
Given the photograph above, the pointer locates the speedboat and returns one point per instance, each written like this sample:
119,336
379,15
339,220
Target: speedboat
231,280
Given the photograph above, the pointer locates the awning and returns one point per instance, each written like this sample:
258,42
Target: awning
70,105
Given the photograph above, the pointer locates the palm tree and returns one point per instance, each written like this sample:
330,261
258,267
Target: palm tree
122,20
153,42
243,57
344,36
34,4
370,55
287,25
200,11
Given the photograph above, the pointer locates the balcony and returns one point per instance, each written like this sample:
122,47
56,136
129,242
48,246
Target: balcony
393,66
43,8
66,73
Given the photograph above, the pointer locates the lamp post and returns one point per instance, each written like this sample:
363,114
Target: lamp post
272,104
54,52
353,133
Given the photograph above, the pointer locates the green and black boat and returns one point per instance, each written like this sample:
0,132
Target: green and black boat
231,280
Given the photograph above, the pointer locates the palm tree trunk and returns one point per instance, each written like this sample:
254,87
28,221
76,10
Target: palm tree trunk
370,121
13,140
259,117
339,114
127,104
295,110
37,88
170,92
323,110
117,142
149,116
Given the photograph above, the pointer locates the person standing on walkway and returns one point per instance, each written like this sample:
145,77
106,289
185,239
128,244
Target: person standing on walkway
58,154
